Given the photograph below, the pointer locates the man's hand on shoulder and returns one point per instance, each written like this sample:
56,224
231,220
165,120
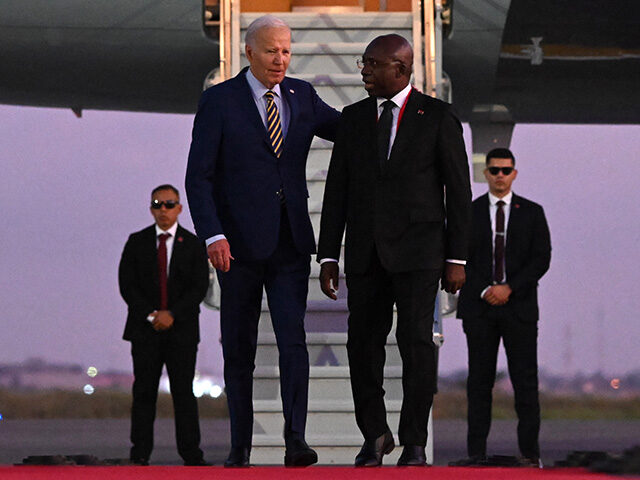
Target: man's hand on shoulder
329,279
497,294
220,255
163,320
453,277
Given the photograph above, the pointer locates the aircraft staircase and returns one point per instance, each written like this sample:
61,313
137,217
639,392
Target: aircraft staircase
324,52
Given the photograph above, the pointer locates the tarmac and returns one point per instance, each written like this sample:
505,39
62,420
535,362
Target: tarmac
109,439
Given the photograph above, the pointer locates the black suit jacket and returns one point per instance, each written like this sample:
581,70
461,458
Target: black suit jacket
527,258
187,285
400,209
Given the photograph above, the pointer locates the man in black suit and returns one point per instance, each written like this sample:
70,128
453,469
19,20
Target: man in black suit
394,155
163,278
510,250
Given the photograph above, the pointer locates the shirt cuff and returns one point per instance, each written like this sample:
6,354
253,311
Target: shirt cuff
325,260
484,291
457,262
213,239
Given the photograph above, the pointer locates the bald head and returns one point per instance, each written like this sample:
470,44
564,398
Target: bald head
388,62
396,48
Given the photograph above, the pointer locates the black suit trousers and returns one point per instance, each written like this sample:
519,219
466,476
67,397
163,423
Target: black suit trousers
180,360
520,343
285,278
371,297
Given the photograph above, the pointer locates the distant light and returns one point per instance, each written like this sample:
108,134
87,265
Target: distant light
1,417
165,386
198,391
200,387
92,371
615,383
215,391
588,387
88,389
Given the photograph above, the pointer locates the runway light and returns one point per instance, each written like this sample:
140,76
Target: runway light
88,389
215,391
198,391
615,383
92,371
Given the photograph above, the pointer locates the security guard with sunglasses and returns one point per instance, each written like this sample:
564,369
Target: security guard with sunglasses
510,251
163,277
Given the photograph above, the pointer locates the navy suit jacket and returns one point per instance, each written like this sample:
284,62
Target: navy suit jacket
233,175
527,258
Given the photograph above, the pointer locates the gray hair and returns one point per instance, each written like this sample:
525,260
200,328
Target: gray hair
266,21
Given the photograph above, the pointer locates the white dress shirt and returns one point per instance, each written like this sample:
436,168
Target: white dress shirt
172,232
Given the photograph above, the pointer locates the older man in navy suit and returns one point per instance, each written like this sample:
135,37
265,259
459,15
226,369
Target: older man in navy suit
247,193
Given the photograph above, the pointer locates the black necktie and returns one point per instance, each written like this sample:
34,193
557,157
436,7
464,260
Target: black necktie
498,249
384,132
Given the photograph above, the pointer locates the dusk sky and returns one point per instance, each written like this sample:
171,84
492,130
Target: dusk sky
73,189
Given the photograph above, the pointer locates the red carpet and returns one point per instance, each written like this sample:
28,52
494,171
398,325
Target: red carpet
281,473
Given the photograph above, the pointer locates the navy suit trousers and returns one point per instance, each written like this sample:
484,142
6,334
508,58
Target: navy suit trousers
285,277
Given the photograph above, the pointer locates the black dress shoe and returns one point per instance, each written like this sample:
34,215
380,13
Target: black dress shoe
472,461
412,456
299,454
372,451
238,457
140,462
197,463
531,462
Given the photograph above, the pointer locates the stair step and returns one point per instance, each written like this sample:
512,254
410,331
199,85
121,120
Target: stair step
321,406
318,21
325,383
338,424
325,349
331,373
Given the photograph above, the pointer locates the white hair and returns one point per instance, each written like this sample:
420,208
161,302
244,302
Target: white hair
266,21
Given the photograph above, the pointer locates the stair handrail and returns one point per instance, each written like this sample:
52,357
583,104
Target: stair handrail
418,50
229,38
432,22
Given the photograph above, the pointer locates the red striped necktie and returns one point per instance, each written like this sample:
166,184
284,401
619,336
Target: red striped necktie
162,270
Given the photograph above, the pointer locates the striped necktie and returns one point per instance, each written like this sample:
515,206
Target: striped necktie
273,124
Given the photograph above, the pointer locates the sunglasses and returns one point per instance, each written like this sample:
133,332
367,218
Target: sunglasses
496,170
169,204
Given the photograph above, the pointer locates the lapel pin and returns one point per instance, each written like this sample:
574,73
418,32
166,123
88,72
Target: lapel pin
291,90
517,205
420,112
180,239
